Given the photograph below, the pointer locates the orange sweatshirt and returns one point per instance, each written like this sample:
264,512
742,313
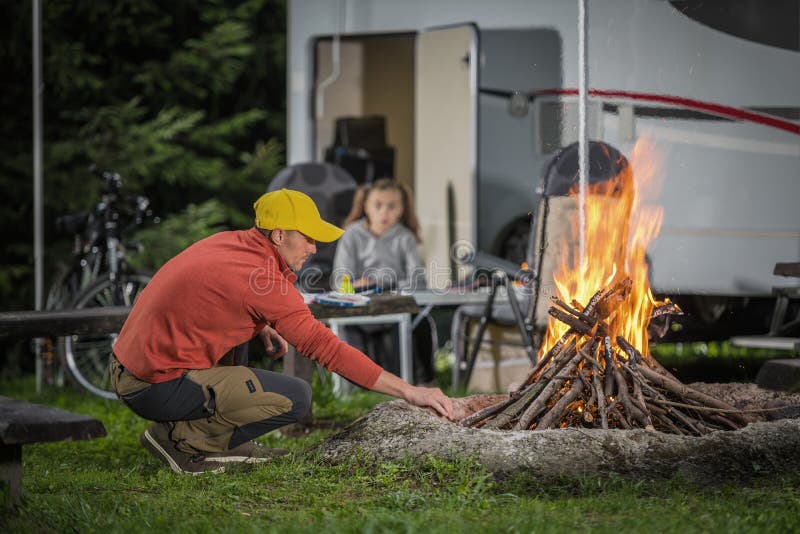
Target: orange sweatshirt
219,293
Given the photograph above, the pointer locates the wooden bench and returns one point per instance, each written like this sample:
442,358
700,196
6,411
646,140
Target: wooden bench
54,323
22,423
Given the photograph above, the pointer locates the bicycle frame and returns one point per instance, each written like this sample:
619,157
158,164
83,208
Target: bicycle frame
98,275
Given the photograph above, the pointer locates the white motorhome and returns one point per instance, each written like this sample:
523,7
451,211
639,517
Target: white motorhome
476,96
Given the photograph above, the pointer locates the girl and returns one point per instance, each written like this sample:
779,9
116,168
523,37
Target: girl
379,246
379,250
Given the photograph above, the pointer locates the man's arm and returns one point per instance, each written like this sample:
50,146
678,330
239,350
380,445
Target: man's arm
296,325
418,396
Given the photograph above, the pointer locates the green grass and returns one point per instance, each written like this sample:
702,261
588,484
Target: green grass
114,485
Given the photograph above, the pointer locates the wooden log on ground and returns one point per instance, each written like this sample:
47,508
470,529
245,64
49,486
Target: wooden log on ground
686,392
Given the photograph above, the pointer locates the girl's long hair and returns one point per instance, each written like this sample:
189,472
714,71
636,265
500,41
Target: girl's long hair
408,219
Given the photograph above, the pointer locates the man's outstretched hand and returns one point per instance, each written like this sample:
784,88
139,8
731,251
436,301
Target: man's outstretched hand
431,397
418,396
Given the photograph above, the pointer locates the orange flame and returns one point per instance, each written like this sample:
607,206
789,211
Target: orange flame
620,224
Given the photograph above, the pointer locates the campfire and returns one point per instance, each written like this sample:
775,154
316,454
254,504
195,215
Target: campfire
594,368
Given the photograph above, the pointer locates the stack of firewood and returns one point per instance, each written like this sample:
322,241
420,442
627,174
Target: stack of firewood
592,379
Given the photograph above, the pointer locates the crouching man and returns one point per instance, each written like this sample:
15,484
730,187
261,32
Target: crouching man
215,295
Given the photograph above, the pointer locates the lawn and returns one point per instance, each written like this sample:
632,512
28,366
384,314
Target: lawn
114,485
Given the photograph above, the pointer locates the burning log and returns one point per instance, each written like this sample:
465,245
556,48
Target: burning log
660,319
590,379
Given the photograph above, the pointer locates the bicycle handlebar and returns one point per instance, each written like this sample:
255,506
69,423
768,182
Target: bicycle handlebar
112,180
115,214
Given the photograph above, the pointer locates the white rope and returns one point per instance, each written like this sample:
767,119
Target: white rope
583,137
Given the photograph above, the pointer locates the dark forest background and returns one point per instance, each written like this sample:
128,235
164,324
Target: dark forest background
184,99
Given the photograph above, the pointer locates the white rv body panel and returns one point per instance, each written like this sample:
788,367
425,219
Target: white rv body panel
731,178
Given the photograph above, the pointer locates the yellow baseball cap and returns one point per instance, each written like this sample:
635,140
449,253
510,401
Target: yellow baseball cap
293,210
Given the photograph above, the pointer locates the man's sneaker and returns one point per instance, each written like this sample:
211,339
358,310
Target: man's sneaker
248,452
156,440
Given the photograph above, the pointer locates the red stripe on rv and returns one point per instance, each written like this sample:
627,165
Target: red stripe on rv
716,109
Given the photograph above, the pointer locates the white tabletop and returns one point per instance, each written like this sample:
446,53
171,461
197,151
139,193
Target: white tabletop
456,297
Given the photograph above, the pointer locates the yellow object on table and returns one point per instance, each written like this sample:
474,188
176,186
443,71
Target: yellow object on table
347,286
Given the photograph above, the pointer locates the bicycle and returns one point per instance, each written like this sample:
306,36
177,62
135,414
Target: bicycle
97,276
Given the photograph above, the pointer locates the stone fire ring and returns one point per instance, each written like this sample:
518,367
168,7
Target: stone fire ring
394,430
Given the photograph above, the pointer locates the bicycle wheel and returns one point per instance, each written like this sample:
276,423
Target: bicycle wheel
87,356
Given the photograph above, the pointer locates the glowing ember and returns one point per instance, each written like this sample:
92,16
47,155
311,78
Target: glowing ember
620,224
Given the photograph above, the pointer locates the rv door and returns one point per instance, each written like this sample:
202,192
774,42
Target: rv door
446,144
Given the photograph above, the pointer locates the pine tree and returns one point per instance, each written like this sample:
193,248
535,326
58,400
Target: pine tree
186,100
